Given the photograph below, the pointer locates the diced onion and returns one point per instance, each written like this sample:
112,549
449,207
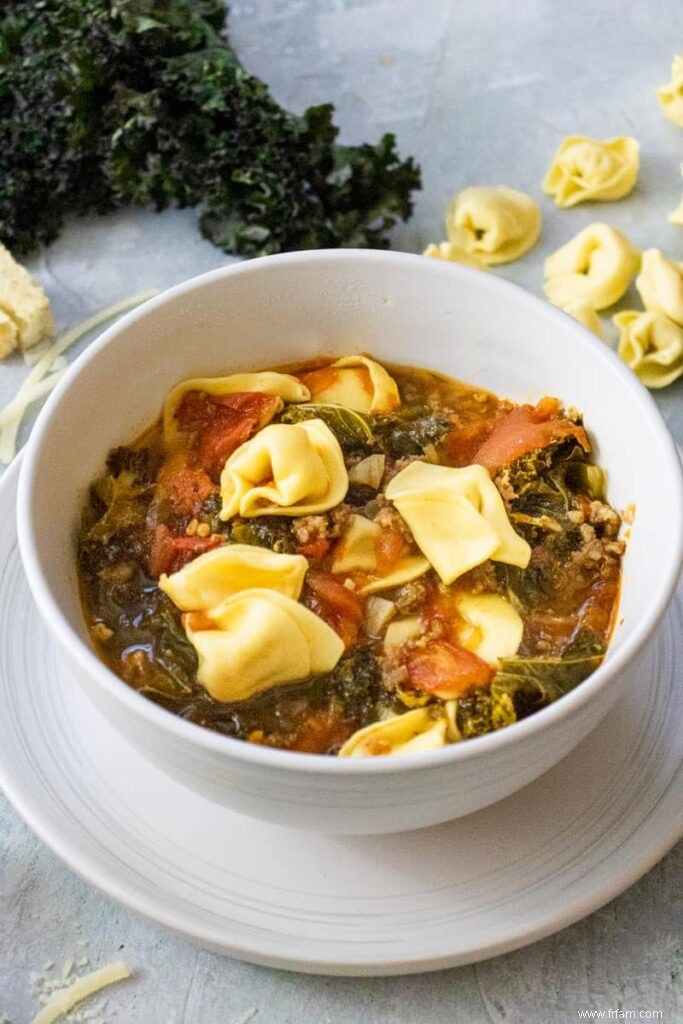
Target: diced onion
369,471
378,612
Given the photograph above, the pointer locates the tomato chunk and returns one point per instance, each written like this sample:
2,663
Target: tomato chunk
221,423
525,429
336,604
315,548
184,485
168,552
322,732
389,547
447,670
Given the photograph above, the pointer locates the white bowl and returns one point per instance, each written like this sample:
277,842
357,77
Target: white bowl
400,308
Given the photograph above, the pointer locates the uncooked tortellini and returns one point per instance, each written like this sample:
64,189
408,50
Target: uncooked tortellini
652,345
496,224
595,267
454,254
287,469
586,315
660,284
207,580
586,168
411,733
671,95
257,639
281,385
457,517
356,551
357,382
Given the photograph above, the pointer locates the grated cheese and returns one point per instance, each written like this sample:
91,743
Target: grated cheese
65,999
47,370
246,1017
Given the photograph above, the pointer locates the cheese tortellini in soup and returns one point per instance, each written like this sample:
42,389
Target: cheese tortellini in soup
415,731
671,96
457,517
257,639
652,345
595,267
280,385
492,628
496,224
287,469
357,382
660,284
208,579
585,168
356,551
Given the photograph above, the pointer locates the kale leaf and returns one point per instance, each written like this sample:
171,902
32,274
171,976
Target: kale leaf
137,102
352,429
409,431
523,686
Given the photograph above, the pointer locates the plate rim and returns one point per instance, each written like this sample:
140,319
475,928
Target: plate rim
68,848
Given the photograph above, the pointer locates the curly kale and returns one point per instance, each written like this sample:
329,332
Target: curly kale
144,103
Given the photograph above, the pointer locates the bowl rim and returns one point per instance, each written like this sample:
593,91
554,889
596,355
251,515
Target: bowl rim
292,761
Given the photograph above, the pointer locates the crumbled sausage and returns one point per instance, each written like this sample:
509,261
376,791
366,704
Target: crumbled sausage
410,596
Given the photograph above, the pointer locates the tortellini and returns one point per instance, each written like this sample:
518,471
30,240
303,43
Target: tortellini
357,382
457,517
584,168
356,551
586,315
454,254
207,580
660,284
671,95
652,345
495,224
259,638
595,267
493,628
287,469
267,382
411,733
676,216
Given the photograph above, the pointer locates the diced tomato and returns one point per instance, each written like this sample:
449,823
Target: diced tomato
315,548
525,429
336,604
221,423
446,669
389,547
460,444
321,732
168,552
184,485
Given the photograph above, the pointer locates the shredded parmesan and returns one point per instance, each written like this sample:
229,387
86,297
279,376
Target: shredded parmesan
38,384
65,999
246,1017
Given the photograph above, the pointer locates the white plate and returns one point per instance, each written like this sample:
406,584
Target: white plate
471,889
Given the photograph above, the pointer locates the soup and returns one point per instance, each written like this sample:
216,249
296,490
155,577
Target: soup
349,559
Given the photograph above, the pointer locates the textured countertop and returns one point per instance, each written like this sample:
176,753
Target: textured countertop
481,93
